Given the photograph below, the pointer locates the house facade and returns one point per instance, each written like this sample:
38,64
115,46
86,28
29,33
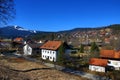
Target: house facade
96,68
114,63
49,54
50,50
27,50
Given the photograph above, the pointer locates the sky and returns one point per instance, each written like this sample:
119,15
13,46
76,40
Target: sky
57,15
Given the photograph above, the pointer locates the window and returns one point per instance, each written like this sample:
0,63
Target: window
53,52
43,51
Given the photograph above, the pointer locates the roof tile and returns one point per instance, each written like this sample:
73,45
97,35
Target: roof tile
98,62
52,45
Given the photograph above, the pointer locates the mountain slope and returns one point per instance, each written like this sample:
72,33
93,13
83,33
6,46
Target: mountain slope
15,31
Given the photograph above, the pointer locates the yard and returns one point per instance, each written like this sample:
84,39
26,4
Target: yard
20,69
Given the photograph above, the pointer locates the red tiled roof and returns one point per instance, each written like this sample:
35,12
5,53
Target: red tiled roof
107,53
110,54
117,54
52,45
18,39
98,62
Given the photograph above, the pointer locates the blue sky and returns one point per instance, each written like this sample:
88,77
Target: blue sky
56,15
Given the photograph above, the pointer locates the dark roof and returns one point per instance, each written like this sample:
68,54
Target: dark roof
35,45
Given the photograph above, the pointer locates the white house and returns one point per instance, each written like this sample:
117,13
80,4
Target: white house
27,50
114,63
49,50
31,49
98,65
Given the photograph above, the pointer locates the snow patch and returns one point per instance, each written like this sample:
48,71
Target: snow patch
22,29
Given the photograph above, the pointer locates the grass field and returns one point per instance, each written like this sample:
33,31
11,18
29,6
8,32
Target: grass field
20,69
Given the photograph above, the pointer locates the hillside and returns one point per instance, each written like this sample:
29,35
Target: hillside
76,30
114,27
105,35
15,31
75,37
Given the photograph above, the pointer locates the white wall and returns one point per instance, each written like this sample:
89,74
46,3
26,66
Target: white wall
49,54
96,68
114,63
27,50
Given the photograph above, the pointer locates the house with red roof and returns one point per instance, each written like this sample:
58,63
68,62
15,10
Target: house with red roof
50,50
96,64
18,43
113,57
18,40
109,60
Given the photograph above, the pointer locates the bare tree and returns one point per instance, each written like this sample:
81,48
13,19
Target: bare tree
7,11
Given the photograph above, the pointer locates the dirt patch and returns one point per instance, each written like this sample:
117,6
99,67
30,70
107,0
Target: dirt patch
36,71
7,74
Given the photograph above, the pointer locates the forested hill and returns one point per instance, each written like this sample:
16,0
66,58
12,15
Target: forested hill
114,27
15,31
77,32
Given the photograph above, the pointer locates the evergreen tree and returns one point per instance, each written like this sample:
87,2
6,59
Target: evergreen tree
94,47
81,48
60,56
52,36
